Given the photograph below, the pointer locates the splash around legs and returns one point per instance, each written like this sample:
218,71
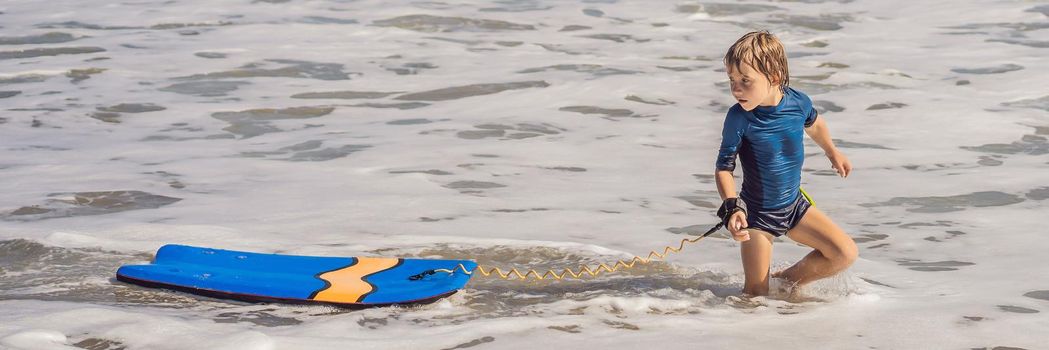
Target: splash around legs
833,249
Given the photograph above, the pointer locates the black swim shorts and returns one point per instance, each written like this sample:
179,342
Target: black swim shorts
777,221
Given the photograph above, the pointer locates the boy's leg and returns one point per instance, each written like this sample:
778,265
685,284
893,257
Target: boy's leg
757,254
834,250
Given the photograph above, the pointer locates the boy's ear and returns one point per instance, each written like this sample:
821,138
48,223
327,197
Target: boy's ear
776,80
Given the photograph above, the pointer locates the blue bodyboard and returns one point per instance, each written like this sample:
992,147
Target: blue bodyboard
259,277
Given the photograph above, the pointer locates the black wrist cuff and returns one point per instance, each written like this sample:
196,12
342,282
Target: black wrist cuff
731,206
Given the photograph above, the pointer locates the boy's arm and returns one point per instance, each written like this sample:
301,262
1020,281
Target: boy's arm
820,133
726,184
737,223
731,139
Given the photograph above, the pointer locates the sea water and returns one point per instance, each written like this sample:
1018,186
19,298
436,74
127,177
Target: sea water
529,134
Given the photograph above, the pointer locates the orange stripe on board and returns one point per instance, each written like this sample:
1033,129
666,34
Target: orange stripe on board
347,284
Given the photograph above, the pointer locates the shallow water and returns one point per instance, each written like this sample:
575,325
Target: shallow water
531,134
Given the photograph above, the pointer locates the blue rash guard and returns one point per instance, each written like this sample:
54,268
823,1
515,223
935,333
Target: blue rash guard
768,141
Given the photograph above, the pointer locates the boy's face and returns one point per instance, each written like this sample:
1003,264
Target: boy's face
751,88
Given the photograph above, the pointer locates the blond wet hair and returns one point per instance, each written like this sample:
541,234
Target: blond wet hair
762,51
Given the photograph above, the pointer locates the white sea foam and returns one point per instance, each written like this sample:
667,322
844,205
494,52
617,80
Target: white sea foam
940,106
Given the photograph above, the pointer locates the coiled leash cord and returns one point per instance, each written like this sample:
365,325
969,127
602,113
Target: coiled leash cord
583,270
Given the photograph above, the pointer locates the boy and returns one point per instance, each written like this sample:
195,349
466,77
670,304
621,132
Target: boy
765,130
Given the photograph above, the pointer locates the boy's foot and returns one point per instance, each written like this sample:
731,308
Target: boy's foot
797,297
791,292
782,288
745,301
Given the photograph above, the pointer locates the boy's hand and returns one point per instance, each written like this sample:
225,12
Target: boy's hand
736,225
733,213
840,163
